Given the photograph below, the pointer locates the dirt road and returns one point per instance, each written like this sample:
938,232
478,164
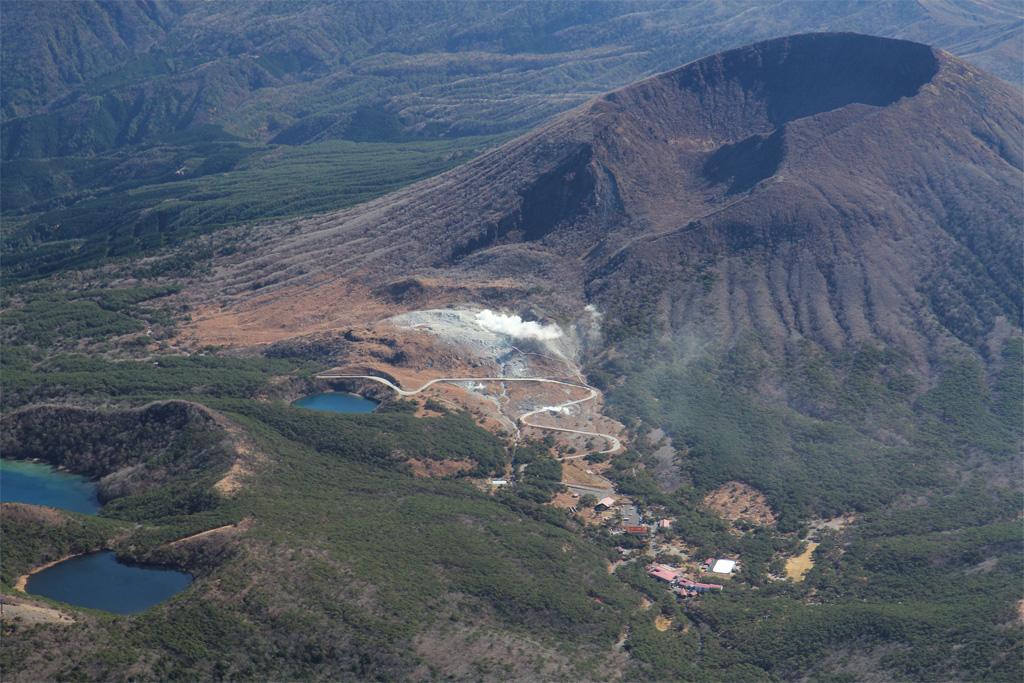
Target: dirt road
614,444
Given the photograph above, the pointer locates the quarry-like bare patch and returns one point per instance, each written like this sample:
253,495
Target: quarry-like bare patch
246,460
798,565
735,500
19,611
431,469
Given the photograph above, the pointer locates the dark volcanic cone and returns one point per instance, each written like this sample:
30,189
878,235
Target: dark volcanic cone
832,187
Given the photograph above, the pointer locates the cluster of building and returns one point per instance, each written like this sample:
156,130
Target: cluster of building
631,521
686,587
680,585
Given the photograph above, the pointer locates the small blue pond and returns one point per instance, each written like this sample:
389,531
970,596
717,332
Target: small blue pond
337,402
101,582
32,482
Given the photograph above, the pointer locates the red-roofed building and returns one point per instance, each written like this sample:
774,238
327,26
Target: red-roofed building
662,573
636,530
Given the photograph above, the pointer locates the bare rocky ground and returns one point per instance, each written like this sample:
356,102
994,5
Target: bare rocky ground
25,612
424,345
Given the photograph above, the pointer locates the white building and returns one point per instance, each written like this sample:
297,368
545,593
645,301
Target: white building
724,566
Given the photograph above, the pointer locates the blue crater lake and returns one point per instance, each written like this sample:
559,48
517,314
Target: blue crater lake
100,581
32,482
337,402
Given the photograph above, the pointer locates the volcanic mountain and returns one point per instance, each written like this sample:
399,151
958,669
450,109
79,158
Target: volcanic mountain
828,187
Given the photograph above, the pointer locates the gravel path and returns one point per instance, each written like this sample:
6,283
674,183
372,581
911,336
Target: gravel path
614,444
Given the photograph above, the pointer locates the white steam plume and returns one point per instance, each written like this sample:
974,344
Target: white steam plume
513,326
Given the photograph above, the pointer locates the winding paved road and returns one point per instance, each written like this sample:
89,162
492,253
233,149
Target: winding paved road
614,443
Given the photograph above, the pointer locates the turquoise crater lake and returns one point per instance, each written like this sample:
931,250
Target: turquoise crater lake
38,484
100,581
337,402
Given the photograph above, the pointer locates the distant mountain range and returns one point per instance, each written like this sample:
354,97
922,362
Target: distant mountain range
91,77
127,127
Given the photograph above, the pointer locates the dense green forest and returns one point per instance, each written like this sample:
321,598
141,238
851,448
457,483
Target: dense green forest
925,585
921,586
366,559
351,567
827,444
216,183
